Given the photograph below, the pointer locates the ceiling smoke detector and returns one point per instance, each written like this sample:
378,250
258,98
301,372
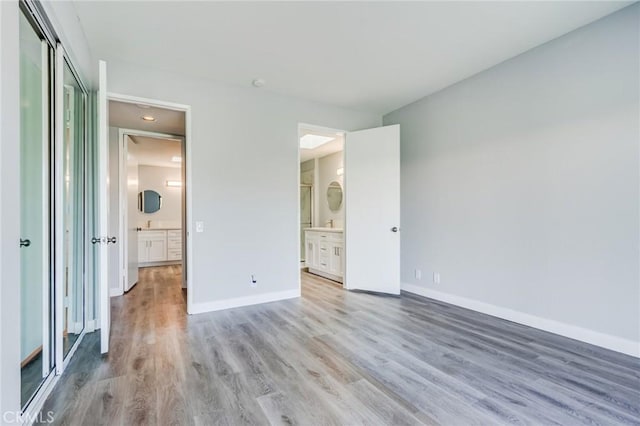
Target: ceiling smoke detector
258,82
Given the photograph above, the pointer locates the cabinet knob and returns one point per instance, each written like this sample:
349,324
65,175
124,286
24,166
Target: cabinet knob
394,229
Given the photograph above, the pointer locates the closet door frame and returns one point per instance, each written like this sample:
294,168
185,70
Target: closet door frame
53,304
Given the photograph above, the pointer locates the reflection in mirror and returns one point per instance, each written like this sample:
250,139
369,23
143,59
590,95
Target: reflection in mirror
334,196
150,201
36,348
74,207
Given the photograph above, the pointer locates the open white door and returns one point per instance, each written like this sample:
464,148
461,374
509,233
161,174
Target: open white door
103,213
372,210
131,212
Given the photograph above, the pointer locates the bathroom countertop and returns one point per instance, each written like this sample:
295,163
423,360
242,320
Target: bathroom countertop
325,229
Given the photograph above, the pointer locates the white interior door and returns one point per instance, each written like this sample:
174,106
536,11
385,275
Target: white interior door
372,210
130,212
103,214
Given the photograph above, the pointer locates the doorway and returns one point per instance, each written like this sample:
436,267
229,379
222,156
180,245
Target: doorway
322,194
148,150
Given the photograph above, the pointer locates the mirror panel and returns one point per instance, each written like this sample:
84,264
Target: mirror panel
334,196
36,301
151,201
73,209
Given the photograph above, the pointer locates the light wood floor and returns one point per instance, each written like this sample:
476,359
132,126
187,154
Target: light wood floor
335,357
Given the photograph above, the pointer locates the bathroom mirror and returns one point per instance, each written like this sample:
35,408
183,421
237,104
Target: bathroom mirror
150,201
334,196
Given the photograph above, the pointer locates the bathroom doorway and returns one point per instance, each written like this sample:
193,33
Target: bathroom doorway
322,194
148,146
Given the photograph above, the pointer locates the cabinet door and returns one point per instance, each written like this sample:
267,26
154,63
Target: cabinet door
336,256
312,252
324,255
157,250
143,250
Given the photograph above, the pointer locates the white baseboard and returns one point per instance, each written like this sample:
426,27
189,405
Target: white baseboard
597,338
218,305
91,326
115,292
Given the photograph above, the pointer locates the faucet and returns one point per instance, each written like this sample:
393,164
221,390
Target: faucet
329,223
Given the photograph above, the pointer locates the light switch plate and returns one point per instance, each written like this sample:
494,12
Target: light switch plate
199,226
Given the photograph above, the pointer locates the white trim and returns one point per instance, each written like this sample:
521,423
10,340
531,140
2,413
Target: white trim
92,326
113,292
186,230
58,237
237,302
593,337
30,414
123,200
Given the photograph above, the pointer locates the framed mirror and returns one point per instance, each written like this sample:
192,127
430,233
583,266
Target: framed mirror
334,196
149,201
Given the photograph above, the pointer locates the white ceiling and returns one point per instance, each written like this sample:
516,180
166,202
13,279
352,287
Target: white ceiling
370,56
155,151
335,145
128,116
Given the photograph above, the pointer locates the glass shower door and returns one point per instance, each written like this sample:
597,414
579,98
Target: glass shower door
305,215
36,318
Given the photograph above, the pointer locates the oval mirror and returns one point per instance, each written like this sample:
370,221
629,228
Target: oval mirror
150,201
334,196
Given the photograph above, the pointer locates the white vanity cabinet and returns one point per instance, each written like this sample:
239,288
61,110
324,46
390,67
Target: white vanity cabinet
159,245
325,252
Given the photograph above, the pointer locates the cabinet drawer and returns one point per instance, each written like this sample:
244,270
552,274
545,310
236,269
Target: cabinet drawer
173,254
174,233
174,243
152,235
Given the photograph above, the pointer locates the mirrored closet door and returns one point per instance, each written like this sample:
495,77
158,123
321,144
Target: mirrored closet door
73,207
36,310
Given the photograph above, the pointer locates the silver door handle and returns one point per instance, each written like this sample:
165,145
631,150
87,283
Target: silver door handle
25,243
111,240
96,240
394,229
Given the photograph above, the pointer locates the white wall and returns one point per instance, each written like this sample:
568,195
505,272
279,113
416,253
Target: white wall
327,168
155,178
520,186
244,159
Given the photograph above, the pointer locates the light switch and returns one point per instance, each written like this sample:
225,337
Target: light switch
199,226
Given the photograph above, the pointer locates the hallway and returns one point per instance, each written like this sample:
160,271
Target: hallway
334,357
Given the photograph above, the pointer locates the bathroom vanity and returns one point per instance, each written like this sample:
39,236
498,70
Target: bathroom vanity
325,252
159,245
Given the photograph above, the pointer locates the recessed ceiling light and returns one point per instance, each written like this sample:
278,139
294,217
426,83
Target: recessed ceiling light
148,118
258,82
313,141
174,183
176,159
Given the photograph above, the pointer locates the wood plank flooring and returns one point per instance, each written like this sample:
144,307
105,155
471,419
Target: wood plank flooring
335,357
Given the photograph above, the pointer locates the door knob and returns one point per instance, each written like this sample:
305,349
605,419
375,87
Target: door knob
138,229
111,240
25,242
394,229
96,240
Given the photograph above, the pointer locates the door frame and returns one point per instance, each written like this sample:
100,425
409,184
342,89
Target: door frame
123,250
187,269
317,192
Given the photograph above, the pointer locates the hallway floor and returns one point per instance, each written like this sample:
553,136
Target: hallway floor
335,357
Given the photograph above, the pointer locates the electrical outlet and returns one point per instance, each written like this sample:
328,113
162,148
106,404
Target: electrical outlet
418,274
254,281
436,277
